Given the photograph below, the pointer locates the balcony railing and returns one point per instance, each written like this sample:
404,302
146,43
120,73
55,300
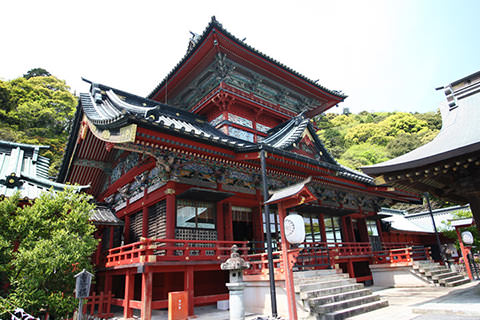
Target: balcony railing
174,250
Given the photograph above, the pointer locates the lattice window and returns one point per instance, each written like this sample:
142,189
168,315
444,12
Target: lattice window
195,214
136,221
157,224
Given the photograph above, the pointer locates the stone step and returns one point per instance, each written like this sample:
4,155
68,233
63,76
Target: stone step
310,294
436,271
313,273
451,279
437,277
353,311
457,283
424,269
338,297
324,284
345,304
336,276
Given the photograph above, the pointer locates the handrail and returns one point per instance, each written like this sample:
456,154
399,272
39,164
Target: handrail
153,250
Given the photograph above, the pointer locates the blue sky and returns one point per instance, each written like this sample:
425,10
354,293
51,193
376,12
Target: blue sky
385,55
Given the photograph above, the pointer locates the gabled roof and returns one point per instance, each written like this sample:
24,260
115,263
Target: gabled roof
215,27
459,134
23,170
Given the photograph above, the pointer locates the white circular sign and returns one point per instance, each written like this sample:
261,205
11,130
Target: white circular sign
294,228
467,237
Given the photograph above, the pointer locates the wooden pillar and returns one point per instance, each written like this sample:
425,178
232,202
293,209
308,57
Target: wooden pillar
379,229
171,210
257,221
220,222
347,229
321,225
110,242
129,287
228,221
351,271
188,286
362,229
108,283
145,222
292,305
126,230
146,303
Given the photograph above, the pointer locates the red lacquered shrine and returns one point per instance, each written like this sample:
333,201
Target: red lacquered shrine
181,168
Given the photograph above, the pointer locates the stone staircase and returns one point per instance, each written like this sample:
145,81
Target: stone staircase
329,295
437,274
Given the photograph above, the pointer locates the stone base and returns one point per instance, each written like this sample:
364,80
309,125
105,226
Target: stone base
396,275
257,299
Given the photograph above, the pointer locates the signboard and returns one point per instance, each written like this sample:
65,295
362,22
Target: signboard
82,285
178,305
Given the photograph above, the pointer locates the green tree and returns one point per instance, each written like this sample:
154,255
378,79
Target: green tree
37,110
402,122
448,231
52,237
363,154
36,72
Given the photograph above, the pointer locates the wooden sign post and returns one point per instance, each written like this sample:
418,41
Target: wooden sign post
82,289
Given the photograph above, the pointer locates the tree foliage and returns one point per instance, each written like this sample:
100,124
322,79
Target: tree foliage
42,247
36,72
37,110
357,140
448,231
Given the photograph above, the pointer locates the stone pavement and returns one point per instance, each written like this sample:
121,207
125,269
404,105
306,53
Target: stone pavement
428,303
424,303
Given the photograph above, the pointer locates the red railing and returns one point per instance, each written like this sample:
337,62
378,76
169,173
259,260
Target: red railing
154,250
403,255
99,305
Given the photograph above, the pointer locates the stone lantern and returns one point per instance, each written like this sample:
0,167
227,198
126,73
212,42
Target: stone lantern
235,265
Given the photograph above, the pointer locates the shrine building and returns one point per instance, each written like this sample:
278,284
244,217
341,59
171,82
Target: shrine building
181,169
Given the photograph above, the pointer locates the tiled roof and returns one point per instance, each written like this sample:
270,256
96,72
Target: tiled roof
23,170
105,216
109,108
214,24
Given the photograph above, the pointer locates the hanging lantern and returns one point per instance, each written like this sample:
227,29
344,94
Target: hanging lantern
294,228
467,237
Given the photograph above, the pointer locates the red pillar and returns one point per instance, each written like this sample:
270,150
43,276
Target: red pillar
108,283
347,229
362,229
220,222
321,223
146,303
188,286
292,306
129,286
126,230
257,221
351,271
145,222
228,221
380,232
171,209
110,242
464,254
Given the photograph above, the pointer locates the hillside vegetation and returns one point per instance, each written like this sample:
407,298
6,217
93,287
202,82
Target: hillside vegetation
37,108
357,140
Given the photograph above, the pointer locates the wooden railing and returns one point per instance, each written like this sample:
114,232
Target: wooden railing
154,250
98,306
